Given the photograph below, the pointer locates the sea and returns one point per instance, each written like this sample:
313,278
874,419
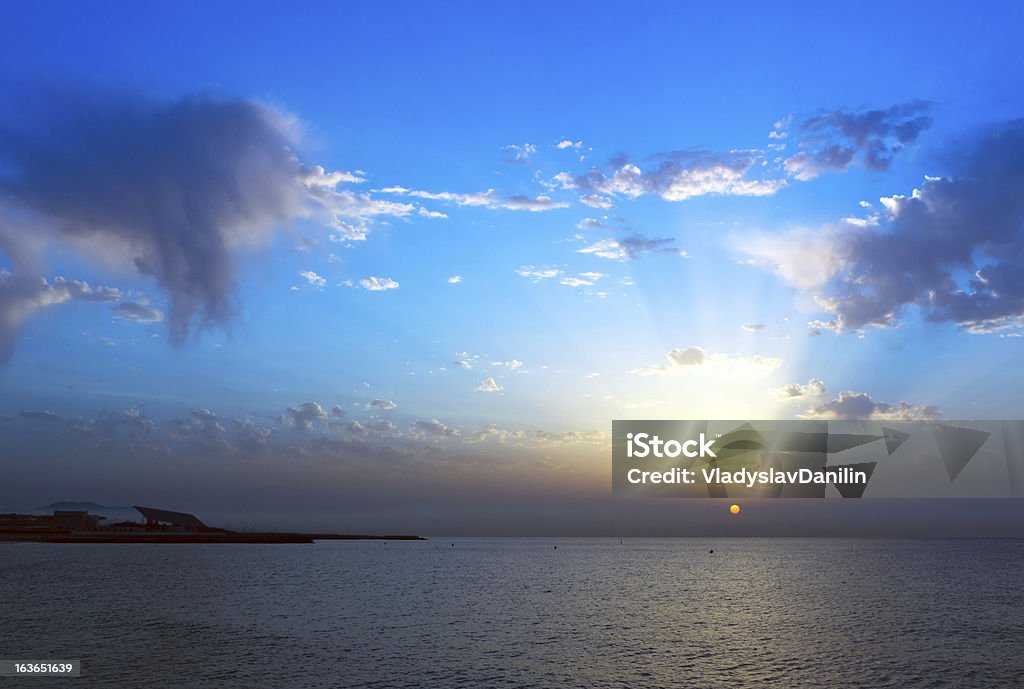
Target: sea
458,612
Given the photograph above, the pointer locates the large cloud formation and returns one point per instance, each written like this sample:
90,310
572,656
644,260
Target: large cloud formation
953,248
165,189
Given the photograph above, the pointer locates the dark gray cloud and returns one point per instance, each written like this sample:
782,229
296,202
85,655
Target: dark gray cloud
140,313
833,141
172,186
167,189
860,405
433,428
954,248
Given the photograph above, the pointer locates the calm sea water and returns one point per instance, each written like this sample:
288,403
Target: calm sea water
521,613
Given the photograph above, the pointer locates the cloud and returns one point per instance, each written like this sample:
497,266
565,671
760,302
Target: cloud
569,143
537,274
423,212
806,259
859,405
377,284
633,246
202,427
519,154
489,385
753,327
434,428
814,388
514,364
569,437
251,435
454,279
486,199
140,313
681,175
493,431
463,363
313,279
337,411
596,201
20,297
381,426
588,279
953,248
167,189
694,358
317,176
833,141
591,224
830,141
38,415
386,405
302,417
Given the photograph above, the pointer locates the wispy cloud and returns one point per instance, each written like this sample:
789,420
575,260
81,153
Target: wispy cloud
682,360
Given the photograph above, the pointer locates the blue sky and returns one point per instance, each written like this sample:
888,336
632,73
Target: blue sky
654,211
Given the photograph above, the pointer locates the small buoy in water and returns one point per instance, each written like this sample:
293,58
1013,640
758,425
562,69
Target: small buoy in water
556,547
712,552
453,545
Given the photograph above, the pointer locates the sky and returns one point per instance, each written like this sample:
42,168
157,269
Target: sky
398,266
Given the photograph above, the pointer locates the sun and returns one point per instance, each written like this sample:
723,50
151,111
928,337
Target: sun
735,509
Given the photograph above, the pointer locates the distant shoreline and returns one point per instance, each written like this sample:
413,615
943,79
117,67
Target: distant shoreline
228,537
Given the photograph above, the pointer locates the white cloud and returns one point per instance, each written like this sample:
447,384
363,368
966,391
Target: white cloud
302,417
485,199
596,201
814,388
605,248
423,212
694,358
803,258
489,385
20,297
378,284
385,405
632,246
313,279
519,153
537,274
455,279
317,176
582,280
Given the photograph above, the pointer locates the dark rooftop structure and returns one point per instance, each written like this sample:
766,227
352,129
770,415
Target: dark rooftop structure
182,519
